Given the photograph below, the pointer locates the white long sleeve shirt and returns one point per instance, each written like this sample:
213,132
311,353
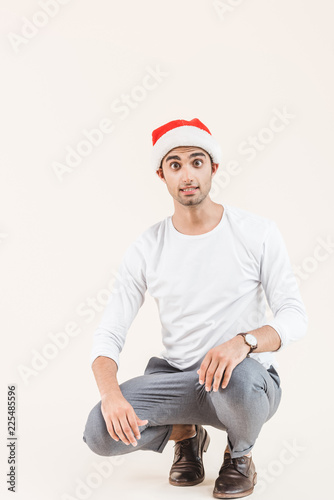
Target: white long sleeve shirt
208,288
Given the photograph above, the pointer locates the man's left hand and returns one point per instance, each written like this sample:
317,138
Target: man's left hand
220,362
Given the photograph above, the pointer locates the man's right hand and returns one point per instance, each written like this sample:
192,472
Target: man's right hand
121,419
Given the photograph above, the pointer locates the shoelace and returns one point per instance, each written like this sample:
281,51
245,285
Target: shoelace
232,462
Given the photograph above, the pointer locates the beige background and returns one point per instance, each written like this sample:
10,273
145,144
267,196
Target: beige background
62,240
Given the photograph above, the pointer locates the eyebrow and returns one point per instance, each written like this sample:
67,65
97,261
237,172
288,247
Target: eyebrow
190,156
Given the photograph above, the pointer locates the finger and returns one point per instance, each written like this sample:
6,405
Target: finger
119,431
217,378
202,369
109,425
132,418
111,431
227,377
126,426
141,422
209,374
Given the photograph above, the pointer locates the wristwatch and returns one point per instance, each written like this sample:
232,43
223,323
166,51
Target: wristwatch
249,340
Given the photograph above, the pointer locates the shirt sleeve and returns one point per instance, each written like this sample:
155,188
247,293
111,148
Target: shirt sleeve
126,298
281,289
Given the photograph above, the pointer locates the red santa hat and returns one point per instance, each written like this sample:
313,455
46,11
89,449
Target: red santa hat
183,133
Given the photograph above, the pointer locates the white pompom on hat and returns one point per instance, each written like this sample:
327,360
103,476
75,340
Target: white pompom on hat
183,133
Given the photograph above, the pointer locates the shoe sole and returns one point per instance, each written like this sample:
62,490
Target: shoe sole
236,495
199,480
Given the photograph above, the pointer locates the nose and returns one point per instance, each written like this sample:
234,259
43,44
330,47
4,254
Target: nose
187,175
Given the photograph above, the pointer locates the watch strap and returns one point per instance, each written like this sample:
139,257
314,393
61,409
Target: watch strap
251,348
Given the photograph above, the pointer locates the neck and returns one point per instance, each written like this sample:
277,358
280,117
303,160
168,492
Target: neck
197,219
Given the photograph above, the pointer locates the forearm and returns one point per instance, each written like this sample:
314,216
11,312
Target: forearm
105,373
267,339
121,419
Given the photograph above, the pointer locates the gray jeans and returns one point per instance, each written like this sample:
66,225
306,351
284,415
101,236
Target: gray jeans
165,395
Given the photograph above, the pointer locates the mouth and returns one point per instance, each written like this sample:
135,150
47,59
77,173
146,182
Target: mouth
189,190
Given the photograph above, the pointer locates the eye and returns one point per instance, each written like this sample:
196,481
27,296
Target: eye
198,163
174,163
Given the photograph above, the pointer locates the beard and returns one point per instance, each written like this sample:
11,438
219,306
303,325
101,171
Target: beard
192,200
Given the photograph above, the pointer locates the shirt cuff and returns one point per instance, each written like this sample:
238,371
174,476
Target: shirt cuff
106,354
274,325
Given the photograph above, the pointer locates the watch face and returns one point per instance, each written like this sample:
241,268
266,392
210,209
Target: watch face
250,339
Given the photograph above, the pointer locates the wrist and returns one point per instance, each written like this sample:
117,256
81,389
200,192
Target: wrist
242,344
249,340
111,393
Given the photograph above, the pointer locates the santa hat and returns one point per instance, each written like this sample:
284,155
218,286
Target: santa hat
183,133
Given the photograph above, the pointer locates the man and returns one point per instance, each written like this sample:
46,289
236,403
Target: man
209,268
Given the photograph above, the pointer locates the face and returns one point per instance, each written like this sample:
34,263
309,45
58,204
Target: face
187,171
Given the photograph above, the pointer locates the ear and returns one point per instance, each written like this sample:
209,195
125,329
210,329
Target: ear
214,168
160,174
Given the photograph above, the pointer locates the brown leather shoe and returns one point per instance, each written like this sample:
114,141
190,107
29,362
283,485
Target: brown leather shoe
236,479
187,468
